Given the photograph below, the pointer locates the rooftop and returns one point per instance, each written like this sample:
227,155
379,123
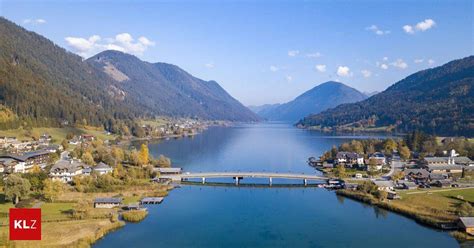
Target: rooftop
467,221
108,200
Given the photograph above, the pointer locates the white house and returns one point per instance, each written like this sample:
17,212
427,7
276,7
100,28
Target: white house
102,168
66,170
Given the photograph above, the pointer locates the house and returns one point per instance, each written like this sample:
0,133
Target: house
392,195
403,184
75,141
384,185
464,161
467,224
29,159
336,183
87,137
107,202
417,175
378,157
442,183
102,168
352,158
438,176
65,170
11,165
446,168
39,158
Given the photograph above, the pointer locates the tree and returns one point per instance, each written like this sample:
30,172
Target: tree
87,158
81,209
118,154
398,176
52,189
65,144
357,146
381,194
163,161
404,152
340,171
144,156
16,188
372,167
389,146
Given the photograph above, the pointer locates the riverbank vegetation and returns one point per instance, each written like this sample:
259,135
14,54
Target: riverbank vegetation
436,208
134,215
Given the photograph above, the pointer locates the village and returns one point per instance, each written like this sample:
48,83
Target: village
393,177
92,180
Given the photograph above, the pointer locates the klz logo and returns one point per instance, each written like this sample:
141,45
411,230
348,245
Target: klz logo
25,224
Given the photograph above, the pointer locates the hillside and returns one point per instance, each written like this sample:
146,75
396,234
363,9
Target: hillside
324,96
168,90
438,101
42,84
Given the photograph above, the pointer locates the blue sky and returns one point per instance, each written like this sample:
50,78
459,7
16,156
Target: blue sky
264,51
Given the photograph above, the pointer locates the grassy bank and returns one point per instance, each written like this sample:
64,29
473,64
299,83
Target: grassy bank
57,134
62,228
134,215
433,210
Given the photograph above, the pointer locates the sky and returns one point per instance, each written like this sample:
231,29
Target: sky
264,51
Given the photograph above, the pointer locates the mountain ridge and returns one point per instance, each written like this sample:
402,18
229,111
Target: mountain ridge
319,98
439,100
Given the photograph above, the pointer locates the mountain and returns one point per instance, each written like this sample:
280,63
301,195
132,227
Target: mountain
370,93
42,84
324,96
169,90
438,101
262,108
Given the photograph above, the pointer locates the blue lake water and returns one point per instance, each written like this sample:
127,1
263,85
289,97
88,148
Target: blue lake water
216,216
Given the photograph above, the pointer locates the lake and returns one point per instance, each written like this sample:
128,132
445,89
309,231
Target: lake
229,216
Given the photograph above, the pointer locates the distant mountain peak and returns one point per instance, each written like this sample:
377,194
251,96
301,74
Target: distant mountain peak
321,97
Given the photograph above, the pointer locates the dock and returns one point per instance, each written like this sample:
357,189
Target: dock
151,200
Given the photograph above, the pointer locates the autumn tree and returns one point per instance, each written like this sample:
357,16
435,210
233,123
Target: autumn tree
52,189
144,156
87,158
404,152
389,146
16,188
340,171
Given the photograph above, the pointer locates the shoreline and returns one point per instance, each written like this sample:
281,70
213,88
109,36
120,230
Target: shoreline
442,224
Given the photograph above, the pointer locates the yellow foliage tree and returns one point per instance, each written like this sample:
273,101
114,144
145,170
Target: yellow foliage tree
144,156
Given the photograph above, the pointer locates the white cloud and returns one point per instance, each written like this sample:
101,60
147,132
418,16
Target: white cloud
417,61
273,68
34,21
366,73
376,30
425,25
420,26
313,55
385,58
408,29
431,61
289,78
293,53
123,42
209,65
399,63
321,68
384,66
344,71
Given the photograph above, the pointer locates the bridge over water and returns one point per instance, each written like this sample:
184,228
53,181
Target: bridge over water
237,176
